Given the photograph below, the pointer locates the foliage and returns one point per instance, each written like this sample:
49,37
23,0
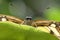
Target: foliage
12,31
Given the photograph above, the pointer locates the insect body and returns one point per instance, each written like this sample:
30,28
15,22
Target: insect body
28,20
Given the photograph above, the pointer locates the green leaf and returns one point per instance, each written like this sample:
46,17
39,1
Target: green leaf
12,31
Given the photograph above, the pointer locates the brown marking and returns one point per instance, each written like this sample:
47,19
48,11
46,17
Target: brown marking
13,19
41,23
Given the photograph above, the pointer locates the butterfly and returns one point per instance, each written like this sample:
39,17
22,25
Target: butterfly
53,26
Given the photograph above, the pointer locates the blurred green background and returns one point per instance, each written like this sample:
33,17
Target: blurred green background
38,9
